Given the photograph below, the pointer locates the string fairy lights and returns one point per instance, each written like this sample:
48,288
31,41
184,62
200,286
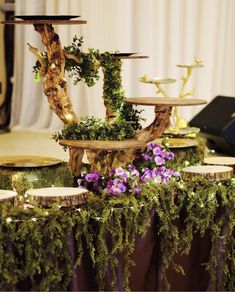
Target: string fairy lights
40,213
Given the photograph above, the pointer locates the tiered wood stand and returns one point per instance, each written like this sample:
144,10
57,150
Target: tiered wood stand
101,154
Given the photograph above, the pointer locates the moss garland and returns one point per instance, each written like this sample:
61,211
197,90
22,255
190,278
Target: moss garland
36,247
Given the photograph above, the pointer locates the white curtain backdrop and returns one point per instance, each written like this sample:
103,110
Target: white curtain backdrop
170,32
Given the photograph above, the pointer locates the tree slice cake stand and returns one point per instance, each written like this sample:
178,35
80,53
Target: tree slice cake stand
158,83
64,196
178,142
156,80
210,172
47,22
101,154
221,160
7,196
27,161
129,57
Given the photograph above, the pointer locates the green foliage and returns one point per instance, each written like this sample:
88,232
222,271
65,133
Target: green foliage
131,115
126,119
37,251
87,68
96,129
113,92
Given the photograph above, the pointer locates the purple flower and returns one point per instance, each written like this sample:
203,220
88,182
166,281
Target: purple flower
165,180
133,170
136,190
117,187
159,160
111,171
151,145
168,172
122,174
147,157
169,155
157,150
147,175
161,169
157,179
92,177
119,171
176,174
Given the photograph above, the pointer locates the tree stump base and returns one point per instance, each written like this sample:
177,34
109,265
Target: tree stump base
221,160
213,173
8,196
65,197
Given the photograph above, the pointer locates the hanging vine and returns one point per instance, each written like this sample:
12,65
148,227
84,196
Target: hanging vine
207,207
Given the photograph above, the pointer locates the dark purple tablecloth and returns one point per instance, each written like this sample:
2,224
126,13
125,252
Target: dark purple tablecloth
145,275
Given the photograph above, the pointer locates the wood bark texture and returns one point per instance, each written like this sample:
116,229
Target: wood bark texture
55,85
157,127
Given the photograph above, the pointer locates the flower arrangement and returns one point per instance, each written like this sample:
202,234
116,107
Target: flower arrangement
152,165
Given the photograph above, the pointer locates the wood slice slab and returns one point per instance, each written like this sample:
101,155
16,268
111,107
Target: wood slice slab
65,196
210,172
176,132
7,196
156,80
190,65
22,161
129,57
57,22
104,145
171,101
178,142
221,160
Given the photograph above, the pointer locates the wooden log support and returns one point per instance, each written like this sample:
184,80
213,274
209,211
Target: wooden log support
158,126
102,154
75,160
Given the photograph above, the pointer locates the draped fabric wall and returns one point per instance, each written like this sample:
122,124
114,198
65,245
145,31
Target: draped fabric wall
170,32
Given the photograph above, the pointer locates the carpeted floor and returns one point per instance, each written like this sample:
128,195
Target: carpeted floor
31,143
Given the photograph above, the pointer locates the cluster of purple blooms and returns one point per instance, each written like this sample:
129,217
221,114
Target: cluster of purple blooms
129,179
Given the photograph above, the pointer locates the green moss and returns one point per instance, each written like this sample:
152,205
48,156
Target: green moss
23,179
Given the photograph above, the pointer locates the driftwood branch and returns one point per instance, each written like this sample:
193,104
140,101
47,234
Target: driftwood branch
158,126
72,57
40,59
55,85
